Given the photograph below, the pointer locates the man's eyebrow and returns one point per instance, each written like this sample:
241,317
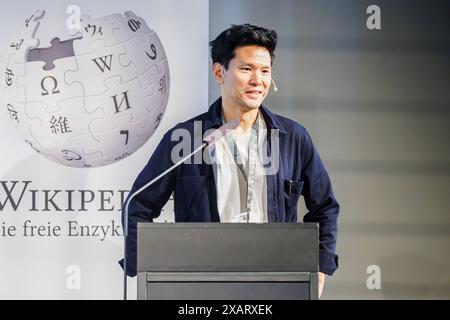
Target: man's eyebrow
253,65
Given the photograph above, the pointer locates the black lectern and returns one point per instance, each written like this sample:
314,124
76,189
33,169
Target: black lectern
227,261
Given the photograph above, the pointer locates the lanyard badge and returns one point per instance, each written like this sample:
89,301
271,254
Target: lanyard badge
252,159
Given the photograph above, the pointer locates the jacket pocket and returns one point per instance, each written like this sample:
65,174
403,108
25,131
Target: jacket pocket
292,192
191,199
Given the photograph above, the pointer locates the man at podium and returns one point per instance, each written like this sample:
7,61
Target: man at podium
233,181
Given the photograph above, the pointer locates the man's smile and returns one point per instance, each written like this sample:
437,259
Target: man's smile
253,93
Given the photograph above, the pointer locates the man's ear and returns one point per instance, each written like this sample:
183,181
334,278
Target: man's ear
218,72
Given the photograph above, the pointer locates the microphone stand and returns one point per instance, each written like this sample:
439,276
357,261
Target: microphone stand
208,141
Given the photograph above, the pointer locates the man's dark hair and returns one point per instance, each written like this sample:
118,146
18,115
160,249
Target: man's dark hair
222,48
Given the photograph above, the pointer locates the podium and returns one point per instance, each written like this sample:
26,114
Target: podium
227,261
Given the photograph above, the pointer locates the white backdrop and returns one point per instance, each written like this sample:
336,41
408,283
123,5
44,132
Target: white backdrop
81,266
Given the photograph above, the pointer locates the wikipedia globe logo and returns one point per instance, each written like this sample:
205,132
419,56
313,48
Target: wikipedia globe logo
91,100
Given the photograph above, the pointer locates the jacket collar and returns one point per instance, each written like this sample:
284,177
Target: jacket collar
214,117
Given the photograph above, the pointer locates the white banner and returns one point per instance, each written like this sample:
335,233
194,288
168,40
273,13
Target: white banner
60,229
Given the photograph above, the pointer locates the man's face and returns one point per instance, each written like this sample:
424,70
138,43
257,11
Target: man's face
248,78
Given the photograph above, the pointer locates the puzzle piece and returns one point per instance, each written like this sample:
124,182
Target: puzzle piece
60,131
78,145
20,119
147,126
121,99
24,124
66,122
49,87
121,141
95,68
45,148
11,91
143,54
157,93
156,85
93,30
14,99
24,40
129,26
16,56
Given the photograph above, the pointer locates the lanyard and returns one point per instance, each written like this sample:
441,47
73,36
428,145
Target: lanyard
252,158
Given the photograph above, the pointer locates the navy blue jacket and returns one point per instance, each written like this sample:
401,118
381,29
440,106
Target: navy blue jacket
194,186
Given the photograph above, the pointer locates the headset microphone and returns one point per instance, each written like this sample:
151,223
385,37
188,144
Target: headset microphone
274,86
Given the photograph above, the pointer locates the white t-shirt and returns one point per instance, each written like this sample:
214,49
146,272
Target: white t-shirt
231,185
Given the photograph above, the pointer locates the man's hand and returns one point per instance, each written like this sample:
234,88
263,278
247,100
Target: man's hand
321,277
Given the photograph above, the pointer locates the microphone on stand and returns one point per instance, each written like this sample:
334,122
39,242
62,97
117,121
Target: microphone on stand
207,142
